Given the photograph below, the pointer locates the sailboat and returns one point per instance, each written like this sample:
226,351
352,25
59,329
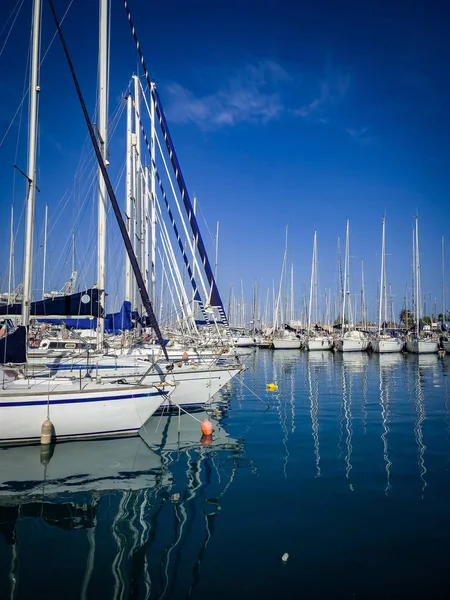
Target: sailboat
384,342
283,338
81,407
351,340
416,343
315,340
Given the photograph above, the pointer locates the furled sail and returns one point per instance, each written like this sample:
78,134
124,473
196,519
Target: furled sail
81,304
13,347
114,322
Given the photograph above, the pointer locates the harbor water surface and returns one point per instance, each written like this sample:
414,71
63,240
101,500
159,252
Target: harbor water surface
344,470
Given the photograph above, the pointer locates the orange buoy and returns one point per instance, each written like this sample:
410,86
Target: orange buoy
206,427
206,440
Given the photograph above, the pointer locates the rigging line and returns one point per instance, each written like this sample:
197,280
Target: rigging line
77,221
10,15
123,230
215,298
26,92
195,288
241,381
172,219
12,26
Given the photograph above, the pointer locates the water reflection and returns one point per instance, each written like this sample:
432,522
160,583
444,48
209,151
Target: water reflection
387,366
353,366
318,364
285,364
424,362
115,515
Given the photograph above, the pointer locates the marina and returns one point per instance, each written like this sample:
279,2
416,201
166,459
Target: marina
343,467
164,432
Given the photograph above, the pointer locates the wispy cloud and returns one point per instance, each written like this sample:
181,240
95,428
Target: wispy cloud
258,93
250,95
360,135
333,88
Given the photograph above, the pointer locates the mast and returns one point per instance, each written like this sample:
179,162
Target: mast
380,307
145,219
128,199
292,292
443,283
216,264
103,86
11,255
345,289
363,298
45,251
340,280
138,178
413,279
31,168
73,251
311,285
283,270
418,311
152,199
194,208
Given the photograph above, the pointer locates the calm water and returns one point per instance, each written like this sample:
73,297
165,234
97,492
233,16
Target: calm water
345,467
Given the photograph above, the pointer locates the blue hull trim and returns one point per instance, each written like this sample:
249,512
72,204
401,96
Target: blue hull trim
75,401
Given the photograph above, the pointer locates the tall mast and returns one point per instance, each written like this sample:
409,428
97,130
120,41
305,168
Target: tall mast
103,87
153,198
73,251
31,168
418,308
382,290
45,251
128,200
292,291
145,223
311,285
138,177
11,255
363,297
345,290
443,283
216,264
413,281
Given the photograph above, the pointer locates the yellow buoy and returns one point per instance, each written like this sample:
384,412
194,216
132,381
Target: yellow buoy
271,387
47,432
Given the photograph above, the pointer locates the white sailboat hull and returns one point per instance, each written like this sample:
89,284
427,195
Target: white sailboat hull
97,410
384,345
351,345
320,343
82,408
446,346
244,341
281,344
196,387
422,346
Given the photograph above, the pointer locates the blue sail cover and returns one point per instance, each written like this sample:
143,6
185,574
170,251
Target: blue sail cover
13,347
114,322
81,304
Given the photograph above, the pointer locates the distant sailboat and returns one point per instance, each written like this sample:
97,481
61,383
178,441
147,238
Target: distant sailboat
315,339
384,342
417,343
350,340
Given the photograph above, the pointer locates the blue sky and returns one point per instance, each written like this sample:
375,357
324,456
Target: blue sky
281,113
